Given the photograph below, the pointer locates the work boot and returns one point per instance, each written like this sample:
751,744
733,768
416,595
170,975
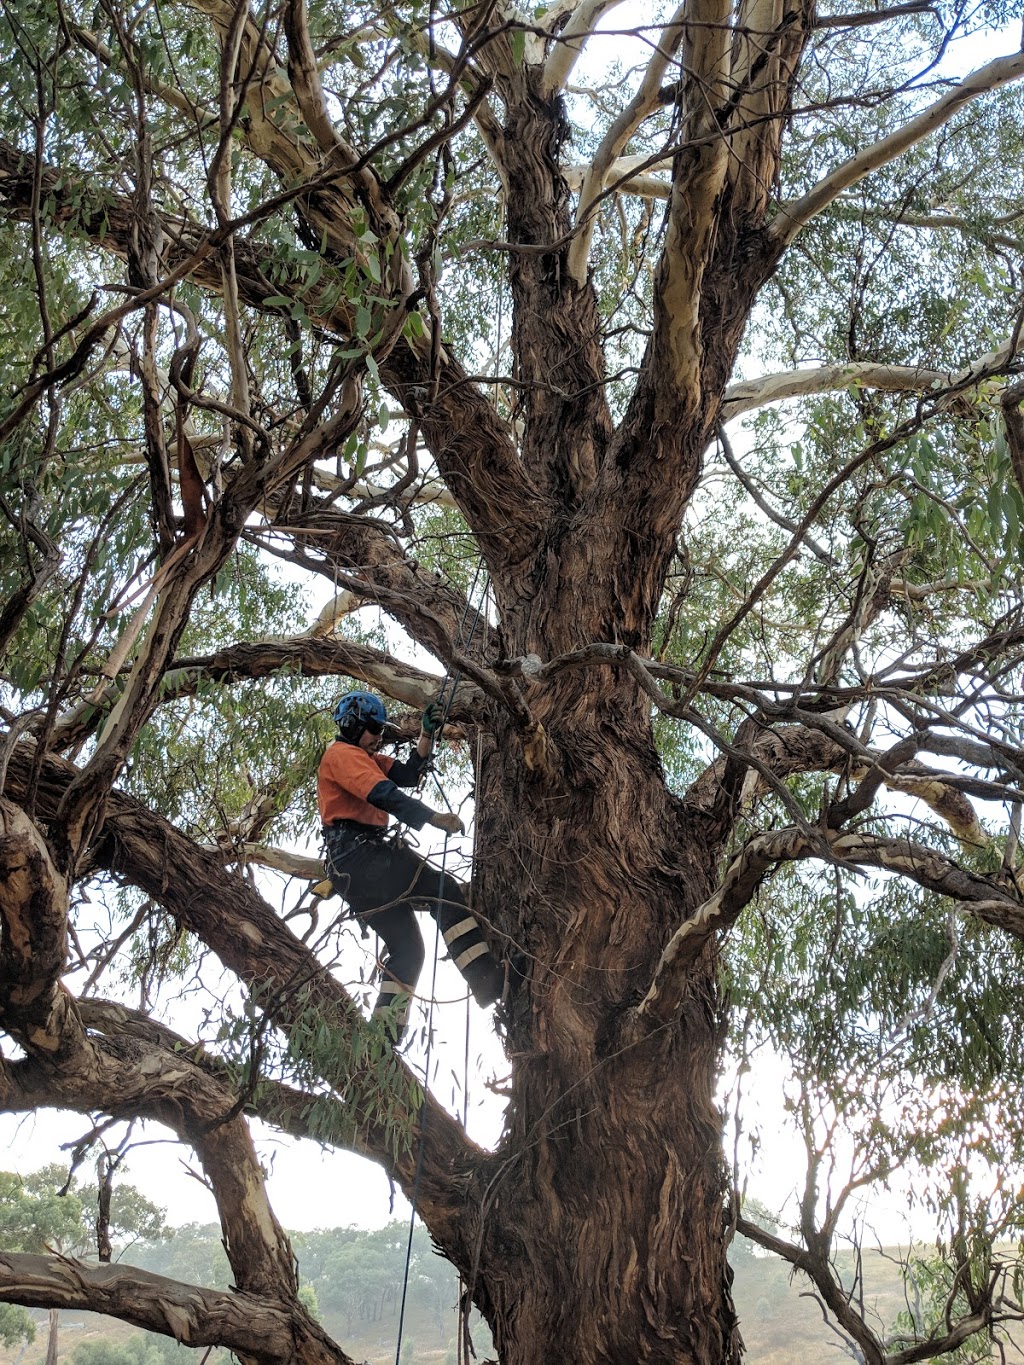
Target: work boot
486,979
391,1010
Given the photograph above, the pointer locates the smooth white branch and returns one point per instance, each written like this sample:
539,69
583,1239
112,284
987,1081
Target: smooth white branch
284,860
595,177
570,42
698,179
751,394
797,213
628,175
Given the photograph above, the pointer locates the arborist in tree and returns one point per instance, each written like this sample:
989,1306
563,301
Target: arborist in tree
380,877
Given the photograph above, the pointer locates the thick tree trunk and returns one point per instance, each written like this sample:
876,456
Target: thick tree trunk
605,1213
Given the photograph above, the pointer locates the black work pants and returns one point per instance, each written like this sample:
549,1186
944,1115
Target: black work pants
384,883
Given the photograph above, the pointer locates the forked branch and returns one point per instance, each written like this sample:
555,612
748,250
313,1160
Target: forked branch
643,103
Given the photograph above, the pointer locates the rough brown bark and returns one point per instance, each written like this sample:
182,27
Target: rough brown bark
259,1329
606,1227
605,1215
605,1211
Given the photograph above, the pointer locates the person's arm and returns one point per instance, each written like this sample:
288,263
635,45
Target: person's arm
407,772
387,797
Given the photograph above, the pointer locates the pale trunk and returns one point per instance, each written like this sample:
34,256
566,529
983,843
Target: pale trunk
52,1333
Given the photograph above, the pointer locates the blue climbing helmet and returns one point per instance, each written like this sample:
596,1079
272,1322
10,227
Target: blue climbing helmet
357,712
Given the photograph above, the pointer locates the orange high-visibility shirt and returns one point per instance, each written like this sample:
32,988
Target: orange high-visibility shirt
345,779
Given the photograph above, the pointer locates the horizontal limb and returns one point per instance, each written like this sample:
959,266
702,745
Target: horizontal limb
752,394
257,1327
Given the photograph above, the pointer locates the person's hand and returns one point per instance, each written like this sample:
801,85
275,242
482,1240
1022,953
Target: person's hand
448,821
432,719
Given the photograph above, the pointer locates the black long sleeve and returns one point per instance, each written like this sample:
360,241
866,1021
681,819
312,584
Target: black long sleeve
386,796
406,772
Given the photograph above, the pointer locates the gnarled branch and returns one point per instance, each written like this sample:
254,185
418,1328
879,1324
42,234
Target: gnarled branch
229,915
258,1328
987,898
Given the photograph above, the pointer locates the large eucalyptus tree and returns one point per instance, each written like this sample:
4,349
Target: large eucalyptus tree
389,291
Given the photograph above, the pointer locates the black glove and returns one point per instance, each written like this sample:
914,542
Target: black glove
432,719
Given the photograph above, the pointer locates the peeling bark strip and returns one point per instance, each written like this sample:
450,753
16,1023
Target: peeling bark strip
33,934
257,1328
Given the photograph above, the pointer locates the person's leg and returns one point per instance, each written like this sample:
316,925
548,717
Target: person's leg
388,876
401,964
445,898
377,886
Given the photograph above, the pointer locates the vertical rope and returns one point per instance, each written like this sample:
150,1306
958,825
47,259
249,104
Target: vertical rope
453,678
423,1109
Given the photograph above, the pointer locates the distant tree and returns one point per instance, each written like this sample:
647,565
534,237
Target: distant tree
309,1301
15,1325
195,1253
756,1212
136,1352
35,1216
141,1348
43,1210
49,1210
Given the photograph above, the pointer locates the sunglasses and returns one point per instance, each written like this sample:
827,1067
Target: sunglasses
374,727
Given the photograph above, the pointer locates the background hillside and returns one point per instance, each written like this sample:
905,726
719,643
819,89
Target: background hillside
356,1280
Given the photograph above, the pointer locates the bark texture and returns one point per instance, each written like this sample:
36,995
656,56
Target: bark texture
261,1330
